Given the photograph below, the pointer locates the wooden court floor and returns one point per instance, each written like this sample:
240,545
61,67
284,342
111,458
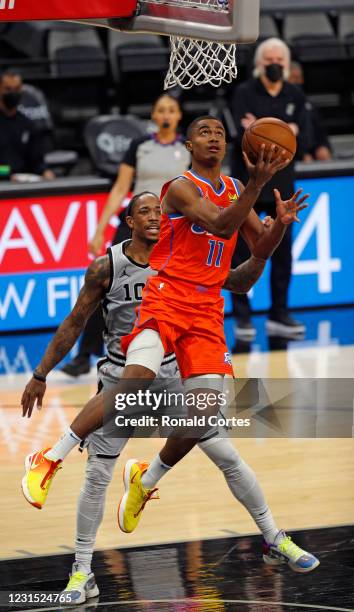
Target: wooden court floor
308,483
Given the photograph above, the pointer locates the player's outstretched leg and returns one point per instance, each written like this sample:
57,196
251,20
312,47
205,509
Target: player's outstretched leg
42,466
140,478
278,548
82,584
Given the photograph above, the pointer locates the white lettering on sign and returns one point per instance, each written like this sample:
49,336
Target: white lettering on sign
7,4
19,234
20,362
21,304
55,294
91,216
56,246
16,223
324,265
71,286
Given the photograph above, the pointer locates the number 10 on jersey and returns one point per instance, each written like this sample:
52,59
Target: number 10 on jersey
215,253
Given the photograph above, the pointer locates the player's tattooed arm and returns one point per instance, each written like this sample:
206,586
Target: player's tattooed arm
97,279
242,279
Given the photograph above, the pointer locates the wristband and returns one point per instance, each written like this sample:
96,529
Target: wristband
37,376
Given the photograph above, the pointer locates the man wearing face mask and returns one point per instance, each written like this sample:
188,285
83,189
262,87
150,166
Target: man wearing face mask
20,148
269,94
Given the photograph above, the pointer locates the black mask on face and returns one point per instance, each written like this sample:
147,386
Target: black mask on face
274,72
11,99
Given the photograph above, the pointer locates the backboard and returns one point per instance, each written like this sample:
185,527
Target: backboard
227,21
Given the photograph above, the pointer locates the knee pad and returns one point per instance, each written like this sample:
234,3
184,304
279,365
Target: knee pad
146,350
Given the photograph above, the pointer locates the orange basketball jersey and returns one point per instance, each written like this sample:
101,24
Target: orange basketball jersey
187,251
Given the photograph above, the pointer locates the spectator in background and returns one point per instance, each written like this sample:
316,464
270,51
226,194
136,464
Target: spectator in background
150,161
20,147
269,94
320,148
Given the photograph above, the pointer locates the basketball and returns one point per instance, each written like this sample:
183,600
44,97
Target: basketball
269,131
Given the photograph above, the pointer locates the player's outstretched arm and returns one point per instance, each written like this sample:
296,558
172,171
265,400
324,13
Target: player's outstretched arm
261,239
96,281
184,197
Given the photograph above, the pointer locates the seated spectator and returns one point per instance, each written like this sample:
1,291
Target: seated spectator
320,147
20,146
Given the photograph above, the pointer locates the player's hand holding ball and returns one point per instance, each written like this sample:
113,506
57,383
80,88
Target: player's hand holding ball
269,145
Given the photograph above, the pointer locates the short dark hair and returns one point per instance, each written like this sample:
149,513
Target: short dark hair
191,127
10,72
166,95
129,212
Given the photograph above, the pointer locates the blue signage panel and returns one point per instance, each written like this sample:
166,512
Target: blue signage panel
323,270
39,300
323,260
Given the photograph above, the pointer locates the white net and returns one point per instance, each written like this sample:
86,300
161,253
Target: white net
196,62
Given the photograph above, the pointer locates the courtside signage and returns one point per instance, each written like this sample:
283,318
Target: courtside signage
323,271
43,256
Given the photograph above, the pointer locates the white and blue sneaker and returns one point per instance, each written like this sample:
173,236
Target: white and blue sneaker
80,587
284,550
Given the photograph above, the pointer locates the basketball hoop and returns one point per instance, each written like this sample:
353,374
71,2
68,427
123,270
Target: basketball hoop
203,33
196,62
203,36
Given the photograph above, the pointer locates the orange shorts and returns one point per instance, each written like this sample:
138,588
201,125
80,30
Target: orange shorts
190,321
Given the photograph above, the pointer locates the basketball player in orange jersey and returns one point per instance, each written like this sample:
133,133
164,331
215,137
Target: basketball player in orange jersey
182,311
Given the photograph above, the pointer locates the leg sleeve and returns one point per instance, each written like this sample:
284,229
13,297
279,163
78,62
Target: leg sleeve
91,508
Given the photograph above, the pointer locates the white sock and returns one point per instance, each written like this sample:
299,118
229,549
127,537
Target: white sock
63,447
154,473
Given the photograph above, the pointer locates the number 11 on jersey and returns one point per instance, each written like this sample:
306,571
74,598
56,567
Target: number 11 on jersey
215,247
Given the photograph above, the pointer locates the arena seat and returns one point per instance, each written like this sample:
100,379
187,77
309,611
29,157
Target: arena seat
138,64
346,32
346,25
76,51
311,37
107,139
267,28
